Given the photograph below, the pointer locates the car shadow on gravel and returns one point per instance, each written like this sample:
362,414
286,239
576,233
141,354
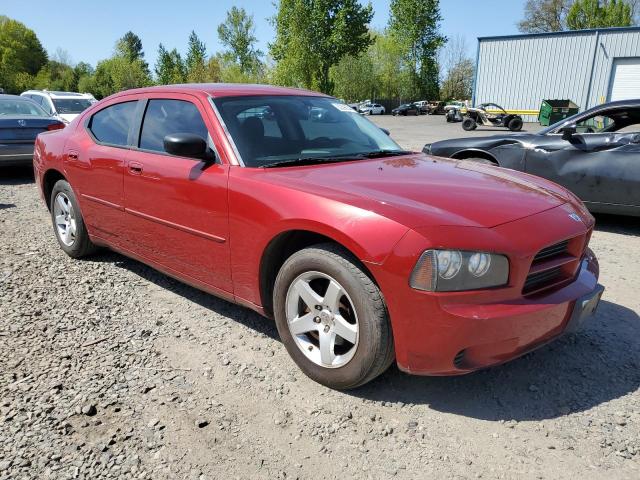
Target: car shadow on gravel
234,312
623,225
575,373
16,175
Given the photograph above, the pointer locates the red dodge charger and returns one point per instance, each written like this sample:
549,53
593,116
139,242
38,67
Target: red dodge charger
290,203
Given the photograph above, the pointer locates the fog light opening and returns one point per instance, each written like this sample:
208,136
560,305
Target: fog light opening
458,360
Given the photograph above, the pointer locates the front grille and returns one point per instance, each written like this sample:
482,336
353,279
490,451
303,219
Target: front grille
554,265
552,251
540,279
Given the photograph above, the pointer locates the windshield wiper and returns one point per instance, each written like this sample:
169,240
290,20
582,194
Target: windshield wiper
340,158
382,153
310,161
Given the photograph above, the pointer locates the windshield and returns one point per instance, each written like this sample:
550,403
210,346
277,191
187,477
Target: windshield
275,129
71,105
21,107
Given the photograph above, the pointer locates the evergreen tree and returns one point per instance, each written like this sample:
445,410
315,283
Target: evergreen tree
196,70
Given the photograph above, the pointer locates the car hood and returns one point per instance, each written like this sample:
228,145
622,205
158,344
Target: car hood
419,190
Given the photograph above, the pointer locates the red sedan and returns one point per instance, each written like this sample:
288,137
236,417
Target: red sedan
290,203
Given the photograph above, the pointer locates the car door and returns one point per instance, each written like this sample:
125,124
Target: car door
598,165
176,207
95,157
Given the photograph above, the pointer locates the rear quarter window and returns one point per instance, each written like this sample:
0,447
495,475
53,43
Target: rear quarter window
111,125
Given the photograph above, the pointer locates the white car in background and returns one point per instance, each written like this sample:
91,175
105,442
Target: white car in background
372,109
64,105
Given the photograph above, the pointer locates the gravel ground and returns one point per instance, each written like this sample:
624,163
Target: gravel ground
113,370
413,132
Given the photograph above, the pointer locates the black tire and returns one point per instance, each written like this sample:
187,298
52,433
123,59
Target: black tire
515,124
469,124
81,245
374,351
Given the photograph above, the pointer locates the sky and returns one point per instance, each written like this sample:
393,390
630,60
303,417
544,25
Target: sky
88,34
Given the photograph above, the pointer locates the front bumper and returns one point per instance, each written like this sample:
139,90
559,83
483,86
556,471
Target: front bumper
473,337
459,332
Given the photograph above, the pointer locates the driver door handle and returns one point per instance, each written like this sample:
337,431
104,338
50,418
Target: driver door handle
135,168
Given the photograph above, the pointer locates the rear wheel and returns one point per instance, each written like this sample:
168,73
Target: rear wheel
469,124
331,318
68,223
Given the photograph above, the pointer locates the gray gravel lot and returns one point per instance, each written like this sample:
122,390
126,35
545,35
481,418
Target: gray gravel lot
413,132
113,370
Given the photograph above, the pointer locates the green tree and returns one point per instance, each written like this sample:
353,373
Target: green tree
599,14
20,53
354,78
392,76
415,24
196,60
116,74
169,67
314,35
237,33
130,47
542,16
214,70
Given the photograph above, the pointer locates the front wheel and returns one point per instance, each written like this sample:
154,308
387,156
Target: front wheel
469,124
331,318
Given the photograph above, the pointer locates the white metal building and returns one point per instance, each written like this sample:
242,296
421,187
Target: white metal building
589,67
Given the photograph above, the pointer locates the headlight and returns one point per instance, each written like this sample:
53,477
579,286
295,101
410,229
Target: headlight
455,270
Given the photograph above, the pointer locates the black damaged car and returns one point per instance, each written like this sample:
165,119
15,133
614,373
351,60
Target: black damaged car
595,154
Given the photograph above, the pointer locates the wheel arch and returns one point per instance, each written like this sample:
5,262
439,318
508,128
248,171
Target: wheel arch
49,179
285,244
474,153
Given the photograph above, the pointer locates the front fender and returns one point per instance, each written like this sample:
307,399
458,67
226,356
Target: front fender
260,212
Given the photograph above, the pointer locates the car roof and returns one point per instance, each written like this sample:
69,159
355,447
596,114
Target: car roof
7,96
224,90
58,94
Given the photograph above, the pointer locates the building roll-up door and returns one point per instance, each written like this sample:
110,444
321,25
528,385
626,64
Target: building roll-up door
625,79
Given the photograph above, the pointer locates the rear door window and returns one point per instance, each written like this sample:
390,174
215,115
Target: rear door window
111,125
168,117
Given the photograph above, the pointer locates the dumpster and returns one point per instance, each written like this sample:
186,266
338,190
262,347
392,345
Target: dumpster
553,111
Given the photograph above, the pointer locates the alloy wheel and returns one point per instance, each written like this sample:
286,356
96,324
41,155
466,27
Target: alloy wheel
322,319
65,219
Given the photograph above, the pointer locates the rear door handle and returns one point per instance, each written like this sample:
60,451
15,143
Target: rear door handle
72,155
135,168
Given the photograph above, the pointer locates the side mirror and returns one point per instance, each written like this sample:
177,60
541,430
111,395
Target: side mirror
386,131
568,131
188,145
